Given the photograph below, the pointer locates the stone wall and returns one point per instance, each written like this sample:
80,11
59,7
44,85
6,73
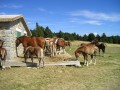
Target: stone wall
9,34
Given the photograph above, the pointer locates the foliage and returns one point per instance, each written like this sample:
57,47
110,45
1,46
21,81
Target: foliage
47,32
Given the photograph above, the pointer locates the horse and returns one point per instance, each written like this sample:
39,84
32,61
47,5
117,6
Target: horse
101,46
1,43
3,54
85,50
30,41
51,46
37,51
60,44
67,43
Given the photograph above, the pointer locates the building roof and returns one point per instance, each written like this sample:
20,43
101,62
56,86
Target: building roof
11,18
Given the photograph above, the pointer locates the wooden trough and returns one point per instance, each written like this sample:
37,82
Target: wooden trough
30,64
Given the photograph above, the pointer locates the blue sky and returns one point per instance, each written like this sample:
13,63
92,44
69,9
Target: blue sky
80,16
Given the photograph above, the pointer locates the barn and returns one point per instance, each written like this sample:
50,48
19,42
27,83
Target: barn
12,26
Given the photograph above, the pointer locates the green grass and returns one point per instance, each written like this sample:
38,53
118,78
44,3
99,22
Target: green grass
105,75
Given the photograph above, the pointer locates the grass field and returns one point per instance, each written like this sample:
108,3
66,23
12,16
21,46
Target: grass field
105,75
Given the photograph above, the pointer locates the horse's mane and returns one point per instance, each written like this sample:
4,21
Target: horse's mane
23,36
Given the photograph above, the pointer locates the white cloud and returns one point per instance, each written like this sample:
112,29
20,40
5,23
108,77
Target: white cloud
96,15
29,22
84,21
2,13
45,11
92,22
13,6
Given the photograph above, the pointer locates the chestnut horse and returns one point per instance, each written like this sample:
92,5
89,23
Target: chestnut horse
85,50
67,43
60,44
3,54
30,41
37,51
101,46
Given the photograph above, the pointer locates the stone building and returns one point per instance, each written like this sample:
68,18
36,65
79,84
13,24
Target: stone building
12,26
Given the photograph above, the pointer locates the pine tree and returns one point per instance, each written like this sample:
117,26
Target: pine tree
98,37
104,38
48,32
85,38
91,37
39,30
60,34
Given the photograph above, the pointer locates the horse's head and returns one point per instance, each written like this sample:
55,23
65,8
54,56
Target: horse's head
17,42
95,42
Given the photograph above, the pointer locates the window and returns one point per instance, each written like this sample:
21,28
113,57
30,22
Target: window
18,32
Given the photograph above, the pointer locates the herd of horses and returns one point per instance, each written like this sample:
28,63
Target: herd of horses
39,46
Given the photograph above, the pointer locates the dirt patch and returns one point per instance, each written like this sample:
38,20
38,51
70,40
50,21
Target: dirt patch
60,57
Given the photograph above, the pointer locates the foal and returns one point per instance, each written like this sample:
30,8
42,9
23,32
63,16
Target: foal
37,51
3,54
85,50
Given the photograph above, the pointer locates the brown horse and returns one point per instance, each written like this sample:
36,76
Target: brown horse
37,51
60,44
3,54
67,43
30,41
85,50
1,43
101,46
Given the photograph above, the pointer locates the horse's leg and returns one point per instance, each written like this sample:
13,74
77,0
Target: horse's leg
77,55
91,59
25,56
43,61
64,52
103,51
32,58
17,52
99,51
39,59
95,58
3,64
84,59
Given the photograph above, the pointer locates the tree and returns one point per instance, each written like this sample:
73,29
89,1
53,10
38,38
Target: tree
60,34
104,38
48,32
39,30
91,37
33,32
85,38
98,37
